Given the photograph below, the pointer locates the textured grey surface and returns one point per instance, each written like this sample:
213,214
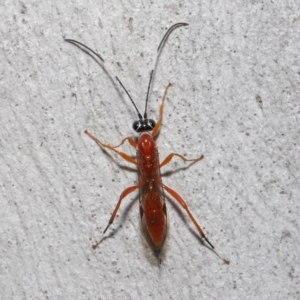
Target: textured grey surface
235,99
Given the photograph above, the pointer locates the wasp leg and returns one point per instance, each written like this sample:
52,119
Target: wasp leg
170,156
161,111
122,196
178,198
122,154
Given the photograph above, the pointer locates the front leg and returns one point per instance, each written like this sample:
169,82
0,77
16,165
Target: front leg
122,154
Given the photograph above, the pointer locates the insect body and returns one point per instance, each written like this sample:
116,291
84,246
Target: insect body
152,199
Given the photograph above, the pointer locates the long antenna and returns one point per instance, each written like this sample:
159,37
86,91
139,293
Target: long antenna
110,71
158,52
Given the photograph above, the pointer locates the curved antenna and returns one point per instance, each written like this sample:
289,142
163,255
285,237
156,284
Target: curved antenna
110,71
161,45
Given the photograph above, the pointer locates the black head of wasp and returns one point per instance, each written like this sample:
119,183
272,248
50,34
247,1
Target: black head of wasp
153,210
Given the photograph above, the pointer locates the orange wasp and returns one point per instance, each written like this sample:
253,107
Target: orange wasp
153,209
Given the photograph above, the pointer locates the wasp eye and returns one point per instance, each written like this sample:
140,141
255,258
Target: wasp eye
137,125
